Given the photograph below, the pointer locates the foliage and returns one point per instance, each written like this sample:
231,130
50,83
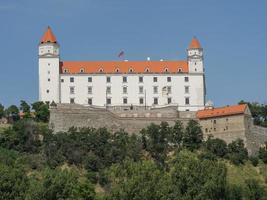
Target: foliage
216,146
263,153
237,153
12,113
25,108
254,191
254,160
41,111
193,135
2,111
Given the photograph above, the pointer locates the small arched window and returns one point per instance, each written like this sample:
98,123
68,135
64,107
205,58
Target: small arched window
147,70
101,70
65,70
180,70
82,70
117,70
166,70
131,70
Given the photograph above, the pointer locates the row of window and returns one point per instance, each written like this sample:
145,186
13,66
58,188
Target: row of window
117,70
141,101
166,90
124,79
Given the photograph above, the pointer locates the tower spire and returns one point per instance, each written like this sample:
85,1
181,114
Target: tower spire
48,36
195,44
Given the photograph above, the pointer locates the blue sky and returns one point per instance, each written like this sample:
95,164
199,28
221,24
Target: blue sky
232,33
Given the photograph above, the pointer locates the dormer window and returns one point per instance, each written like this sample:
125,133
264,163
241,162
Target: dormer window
101,70
131,70
65,70
166,70
82,70
180,70
117,70
147,70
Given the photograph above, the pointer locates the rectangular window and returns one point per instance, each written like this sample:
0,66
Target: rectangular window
186,89
71,79
186,79
169,89
125,101
169,100
62,80
124,79
124,90
108,79
141,89
108,90
155,79
155,89
187,101
48,80
141,79
169,79
108,101
90,101
71,90
90,79
72,100
90,90
156,101
141,100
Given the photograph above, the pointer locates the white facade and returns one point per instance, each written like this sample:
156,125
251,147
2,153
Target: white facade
185,90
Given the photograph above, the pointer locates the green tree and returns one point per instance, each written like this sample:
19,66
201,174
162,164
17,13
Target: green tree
137,180
237,153
176,134
41,111
25,108
2,111
263,153
216,146
193,178
193,135
253,191
12,112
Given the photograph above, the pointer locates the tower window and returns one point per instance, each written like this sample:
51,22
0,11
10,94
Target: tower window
108,79
124,90
108,101
141,100
169,79
141,79
186,79
186,89
155,79
169,100
89,79
90,90
72,100
48,80
125,101
156,101
124,79
90,101
187,101
155,89
141,89
71,90
108,90
72,79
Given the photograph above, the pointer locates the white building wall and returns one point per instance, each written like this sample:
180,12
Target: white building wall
99,84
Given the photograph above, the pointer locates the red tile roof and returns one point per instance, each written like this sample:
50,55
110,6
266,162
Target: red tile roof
223,111
195,44
110,67
48,36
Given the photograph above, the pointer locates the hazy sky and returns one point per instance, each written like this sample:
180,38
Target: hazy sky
233,34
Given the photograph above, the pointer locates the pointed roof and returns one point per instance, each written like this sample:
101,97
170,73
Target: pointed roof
195,44
48,36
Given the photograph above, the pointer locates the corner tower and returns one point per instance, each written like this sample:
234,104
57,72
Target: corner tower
49,74
195,57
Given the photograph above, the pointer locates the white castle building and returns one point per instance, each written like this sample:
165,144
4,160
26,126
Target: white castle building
122,83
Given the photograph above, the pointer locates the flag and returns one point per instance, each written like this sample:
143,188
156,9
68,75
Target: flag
121,54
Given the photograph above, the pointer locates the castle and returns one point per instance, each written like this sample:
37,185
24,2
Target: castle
121,83
130,95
